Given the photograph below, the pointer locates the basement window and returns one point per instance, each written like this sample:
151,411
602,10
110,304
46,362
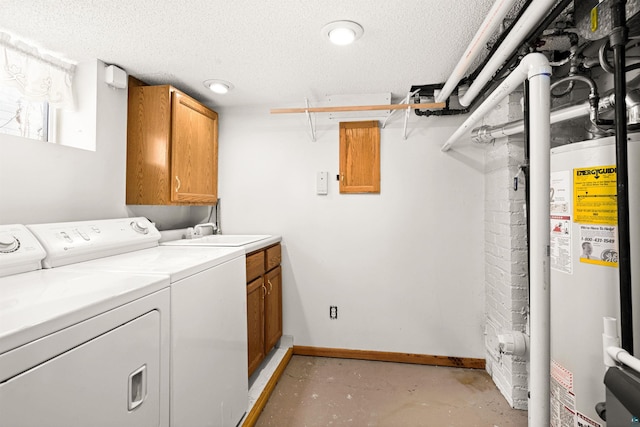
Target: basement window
22,117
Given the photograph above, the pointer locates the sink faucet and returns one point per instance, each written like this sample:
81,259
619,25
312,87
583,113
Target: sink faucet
198,229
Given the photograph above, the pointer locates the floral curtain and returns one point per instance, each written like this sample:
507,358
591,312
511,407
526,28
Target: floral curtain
40,77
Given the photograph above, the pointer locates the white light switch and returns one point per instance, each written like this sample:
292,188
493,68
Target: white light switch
322,185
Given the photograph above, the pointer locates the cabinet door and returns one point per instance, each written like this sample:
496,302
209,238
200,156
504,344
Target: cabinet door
148,139
194,151
360,157
255,323
273,308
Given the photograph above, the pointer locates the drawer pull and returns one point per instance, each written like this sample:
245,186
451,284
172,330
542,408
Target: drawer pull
178,183
270,285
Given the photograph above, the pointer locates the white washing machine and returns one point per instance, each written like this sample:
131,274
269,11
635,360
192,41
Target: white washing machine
80,348
208,380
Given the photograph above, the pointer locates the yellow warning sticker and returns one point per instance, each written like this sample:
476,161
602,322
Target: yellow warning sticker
594,19
595,195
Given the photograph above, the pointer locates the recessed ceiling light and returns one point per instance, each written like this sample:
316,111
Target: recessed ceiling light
218,86
342,32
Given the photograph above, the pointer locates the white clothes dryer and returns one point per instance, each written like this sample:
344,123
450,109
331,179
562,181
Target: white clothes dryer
208,381
80,348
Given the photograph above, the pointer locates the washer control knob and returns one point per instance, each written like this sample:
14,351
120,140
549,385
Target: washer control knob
8,243
140,227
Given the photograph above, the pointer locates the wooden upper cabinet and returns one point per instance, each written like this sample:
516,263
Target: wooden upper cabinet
360,157
172,148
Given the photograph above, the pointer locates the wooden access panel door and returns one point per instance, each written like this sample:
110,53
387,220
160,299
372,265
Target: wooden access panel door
194,151
273,308
360,157
255,323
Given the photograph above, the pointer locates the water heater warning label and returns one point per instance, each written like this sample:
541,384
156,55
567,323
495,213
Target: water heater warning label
595,195
560,226
584,421
563,401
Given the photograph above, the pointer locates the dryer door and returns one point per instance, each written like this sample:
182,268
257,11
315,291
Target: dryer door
111,380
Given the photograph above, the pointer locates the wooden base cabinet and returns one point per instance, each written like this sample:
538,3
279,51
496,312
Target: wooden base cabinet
264,303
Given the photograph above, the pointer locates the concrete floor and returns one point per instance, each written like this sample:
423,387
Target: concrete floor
317,391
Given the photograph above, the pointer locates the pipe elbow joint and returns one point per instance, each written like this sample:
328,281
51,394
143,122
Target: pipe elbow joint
537,64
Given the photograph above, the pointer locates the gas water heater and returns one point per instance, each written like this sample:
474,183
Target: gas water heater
584,271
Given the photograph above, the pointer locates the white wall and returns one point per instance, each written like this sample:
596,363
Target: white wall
404,267
43,182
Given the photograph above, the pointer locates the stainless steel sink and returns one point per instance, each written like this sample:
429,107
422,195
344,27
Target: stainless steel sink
220,240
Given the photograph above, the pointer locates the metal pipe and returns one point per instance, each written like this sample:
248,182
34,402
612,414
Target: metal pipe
618,40
493,19
530,18
486,134
534,67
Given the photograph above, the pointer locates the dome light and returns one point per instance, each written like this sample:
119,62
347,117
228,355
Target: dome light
218,86
342,32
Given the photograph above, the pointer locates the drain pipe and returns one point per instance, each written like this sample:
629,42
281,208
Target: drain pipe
494,18
534,13
534,67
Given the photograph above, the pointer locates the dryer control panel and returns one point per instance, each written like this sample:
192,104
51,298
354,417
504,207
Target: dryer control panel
20,251
71,242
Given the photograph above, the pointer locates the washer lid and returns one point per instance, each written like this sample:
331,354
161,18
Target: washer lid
38,303
176,261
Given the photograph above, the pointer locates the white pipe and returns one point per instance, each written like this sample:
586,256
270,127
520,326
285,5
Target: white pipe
621,355
494,18
539,75
519,31
609,339
513,81
536,68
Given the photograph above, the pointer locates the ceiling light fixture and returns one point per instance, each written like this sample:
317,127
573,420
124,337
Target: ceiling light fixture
218,86
342,32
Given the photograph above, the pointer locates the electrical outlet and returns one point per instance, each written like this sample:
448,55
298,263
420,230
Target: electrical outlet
333,312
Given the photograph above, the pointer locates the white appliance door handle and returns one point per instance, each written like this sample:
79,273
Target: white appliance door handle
137,387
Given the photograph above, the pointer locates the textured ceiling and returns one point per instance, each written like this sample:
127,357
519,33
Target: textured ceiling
272,51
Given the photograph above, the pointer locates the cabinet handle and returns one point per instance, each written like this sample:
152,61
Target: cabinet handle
264,291
270,285
178,183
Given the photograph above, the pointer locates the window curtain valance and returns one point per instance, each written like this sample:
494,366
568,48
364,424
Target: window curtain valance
40,77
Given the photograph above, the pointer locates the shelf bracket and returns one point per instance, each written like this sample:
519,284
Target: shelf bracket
311,125
407,112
